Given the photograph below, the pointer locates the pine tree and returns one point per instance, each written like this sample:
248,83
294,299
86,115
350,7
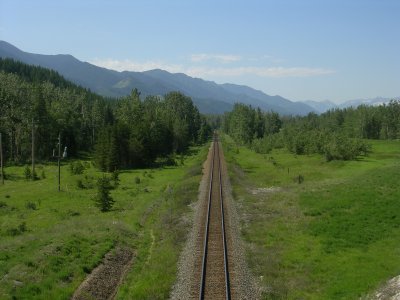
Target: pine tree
103,200
102,150
113,152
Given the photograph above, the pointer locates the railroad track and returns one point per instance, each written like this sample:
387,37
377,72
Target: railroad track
214,282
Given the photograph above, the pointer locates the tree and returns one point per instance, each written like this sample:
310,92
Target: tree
103,200
272,123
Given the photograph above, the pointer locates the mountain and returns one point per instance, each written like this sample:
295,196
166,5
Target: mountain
368,101
322,106
209,96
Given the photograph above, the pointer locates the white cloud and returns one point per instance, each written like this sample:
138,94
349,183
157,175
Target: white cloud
222,58
206,72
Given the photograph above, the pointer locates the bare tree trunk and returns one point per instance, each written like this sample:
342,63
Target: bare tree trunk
11,145
33,150
1,159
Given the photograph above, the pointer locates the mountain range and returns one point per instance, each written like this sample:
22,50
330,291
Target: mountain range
209,96
323,106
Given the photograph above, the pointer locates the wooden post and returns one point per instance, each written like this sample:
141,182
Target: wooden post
33,151
59,158
1,159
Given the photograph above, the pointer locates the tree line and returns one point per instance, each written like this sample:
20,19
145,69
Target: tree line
337,134
123,132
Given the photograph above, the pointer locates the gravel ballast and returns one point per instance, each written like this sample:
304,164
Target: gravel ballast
243,284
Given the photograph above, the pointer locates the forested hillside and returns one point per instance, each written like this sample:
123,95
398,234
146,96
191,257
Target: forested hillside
337,134
124,132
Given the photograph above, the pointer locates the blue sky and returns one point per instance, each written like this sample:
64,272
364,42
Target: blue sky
301,50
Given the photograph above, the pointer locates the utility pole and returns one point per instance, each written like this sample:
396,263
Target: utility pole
1,159
33,151
59,158
64,155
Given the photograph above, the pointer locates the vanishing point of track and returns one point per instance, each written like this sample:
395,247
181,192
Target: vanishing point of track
214,282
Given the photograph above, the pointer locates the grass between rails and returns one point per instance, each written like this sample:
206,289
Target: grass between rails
50,241
334,236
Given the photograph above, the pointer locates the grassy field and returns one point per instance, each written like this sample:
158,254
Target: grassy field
50,240
335,235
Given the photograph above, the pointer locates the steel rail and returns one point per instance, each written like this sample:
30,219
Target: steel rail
227,286
206,235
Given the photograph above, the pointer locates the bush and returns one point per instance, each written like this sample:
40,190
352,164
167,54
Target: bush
86,182
13,231
137,180
17,231
299,179
22,227
30,205
342,148
103,200
27,173
76,168
34,176
79,184
263,146
115,178
3,204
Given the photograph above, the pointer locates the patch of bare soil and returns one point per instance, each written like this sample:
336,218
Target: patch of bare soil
390,291
265,190
104,280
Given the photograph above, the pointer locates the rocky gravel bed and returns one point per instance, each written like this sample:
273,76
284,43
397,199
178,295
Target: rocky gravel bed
243,284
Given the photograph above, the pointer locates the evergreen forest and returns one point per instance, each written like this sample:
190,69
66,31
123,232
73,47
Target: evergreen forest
40,105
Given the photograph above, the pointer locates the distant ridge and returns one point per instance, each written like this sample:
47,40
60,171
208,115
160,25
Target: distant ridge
326,105
209,96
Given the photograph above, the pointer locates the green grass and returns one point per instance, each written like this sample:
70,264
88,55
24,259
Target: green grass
50,240
335,236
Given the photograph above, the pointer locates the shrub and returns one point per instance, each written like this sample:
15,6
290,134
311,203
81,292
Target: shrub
34,176
86,182
17,231
76,168
73,213
30,205
3,204
137,180
343,148
22,227
300,179
42,174
79,184
27,173
263,146
13,231
115,178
